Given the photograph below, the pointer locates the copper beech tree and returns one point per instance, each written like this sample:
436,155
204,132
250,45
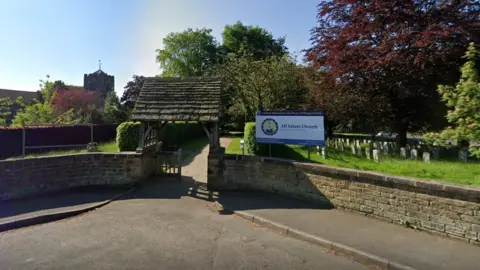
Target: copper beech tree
390,55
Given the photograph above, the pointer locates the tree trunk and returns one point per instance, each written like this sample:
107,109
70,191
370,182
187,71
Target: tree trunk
401,138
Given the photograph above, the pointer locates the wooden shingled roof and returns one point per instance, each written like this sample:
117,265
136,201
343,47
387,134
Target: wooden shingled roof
179,99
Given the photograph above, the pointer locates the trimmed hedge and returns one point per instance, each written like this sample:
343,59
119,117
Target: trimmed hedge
128,136
259,149
172,134
250,141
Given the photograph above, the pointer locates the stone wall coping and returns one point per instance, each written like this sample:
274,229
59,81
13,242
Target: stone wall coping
431,187
122,154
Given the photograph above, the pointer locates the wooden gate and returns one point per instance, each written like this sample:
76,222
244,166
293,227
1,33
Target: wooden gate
170,163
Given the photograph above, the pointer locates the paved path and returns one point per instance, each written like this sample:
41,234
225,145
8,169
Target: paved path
416,249
196,166
159,227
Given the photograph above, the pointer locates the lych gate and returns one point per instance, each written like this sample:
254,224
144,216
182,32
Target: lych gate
163,100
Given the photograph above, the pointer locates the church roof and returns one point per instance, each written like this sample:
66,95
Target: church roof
13,94
179,99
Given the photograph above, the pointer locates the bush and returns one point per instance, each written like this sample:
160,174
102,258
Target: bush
250,141
128,136
175,134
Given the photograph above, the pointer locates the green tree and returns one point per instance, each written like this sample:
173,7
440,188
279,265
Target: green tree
254,40
113,112
42,111
269,84
464,103
5,110
188,53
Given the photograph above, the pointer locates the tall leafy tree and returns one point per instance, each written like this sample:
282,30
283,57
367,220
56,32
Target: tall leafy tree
254,40
463,101
131,92
268,84
113,112
394,53
188,53
5,110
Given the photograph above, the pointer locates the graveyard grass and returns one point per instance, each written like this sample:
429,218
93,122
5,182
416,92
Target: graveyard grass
454,172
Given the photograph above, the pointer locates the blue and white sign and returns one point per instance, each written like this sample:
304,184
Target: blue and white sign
303,128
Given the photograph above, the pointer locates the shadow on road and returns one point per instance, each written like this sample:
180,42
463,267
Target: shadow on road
63,200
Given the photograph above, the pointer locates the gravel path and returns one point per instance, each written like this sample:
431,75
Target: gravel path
196,167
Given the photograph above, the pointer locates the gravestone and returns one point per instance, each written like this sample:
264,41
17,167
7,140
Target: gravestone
426,157
403,152
353,149
348,141
341,146
414,154
386,148
367,153
435,153
324,152
378,145
359,151
318,150
376,155
463,155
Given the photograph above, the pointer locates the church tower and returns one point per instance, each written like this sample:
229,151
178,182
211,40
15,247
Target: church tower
99,81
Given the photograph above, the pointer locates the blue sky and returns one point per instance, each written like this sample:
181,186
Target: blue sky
66,38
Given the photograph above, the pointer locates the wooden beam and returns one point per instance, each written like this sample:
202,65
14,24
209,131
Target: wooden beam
205,129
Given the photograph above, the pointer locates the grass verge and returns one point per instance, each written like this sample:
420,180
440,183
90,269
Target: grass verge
454,172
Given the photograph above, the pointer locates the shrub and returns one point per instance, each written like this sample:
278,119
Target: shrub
180,132
128,136
250,141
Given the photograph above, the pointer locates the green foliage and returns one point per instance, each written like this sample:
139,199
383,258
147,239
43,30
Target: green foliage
254,40
188,53
464,103
128,136
113,112
179,133
269,84
5,110
250,141
41,111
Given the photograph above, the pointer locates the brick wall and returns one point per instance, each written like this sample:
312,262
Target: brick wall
24,177
441,208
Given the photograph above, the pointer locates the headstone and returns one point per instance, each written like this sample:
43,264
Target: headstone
359,151
341,146
378,145
436,153
353,149
403,152
426,157
318,150
463,155
376,155
414,154
386,149
324,152
367,152
348,141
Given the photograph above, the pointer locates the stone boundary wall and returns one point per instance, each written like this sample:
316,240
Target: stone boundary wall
24,177
441,208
